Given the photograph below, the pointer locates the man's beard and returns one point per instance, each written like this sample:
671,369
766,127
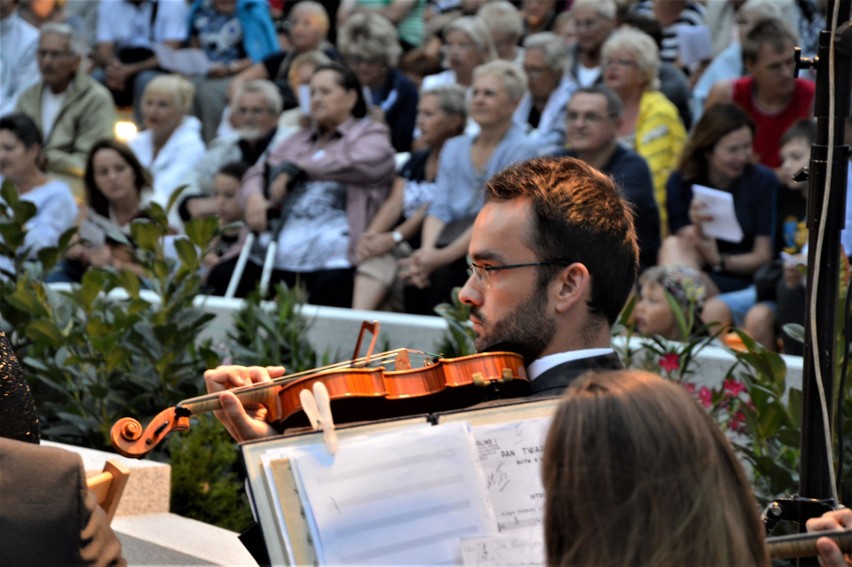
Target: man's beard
250,133
527,330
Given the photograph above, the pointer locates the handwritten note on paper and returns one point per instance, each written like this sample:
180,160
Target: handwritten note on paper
720,206
400,498
510,457
507,550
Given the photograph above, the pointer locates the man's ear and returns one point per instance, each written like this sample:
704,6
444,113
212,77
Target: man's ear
573,284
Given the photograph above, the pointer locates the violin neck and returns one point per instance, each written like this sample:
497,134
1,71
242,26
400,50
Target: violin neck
804,545
256,393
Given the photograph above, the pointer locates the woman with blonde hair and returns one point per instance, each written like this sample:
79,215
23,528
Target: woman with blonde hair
467,45
466,163
171,144
650,123
636,473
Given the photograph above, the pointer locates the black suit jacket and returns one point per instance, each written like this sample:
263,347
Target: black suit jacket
554,381
48,516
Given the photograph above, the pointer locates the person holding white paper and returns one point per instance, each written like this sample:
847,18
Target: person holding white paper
718,155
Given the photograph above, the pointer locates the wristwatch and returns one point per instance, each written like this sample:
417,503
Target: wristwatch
397,237
720,267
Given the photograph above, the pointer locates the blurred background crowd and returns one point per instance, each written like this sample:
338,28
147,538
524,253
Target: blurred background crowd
355,137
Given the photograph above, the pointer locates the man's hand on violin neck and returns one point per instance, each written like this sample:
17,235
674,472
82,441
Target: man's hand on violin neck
243,420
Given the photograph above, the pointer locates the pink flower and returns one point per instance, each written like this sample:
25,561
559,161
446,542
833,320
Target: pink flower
734,387
705,396
670,361
689,387
737,422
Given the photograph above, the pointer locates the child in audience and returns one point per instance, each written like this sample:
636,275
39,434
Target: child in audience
226,187
787,305
654,314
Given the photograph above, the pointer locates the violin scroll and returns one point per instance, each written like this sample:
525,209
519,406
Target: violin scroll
130,440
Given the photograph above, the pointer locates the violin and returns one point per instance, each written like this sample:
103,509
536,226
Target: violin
395,376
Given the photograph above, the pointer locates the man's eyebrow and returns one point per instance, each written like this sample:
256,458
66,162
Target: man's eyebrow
486,256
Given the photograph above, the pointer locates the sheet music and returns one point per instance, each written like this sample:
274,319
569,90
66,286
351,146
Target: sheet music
510,455
401,498
720,206
506,550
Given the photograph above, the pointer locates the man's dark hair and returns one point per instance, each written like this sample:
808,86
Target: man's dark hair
580,216
766,31
348,81
614,105
235,169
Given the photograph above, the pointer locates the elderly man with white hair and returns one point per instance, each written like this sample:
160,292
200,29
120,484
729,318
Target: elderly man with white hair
541,111
71,109
595,21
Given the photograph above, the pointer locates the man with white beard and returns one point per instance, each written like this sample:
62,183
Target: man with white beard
256,106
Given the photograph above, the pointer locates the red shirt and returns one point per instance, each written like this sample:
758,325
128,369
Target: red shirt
769,128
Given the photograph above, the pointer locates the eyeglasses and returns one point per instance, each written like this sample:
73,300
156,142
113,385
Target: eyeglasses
572,116
47,54
483,273
359,60
253,111
619,63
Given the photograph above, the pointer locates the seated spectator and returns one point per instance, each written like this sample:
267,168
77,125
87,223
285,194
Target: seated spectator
627,444
171,145
727,20
728,63
257,106
465,165
18,46
674,15
565,26
772,97
538,15
115,181
369,45
595,21
718,155
307,32
654,315
441,115
127,32
784,302
22,163
467,44
542,109
506,26
327,182
405,15
233,35
226,188
593,119
651,124
673,81
71,109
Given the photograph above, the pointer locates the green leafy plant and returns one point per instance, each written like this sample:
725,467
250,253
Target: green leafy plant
272,333
459,340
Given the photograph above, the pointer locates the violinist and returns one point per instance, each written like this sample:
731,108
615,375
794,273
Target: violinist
829,552
554,258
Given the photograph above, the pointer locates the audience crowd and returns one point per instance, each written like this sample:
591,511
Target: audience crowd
358,142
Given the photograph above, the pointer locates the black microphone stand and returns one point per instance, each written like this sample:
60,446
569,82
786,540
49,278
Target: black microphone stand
828,155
